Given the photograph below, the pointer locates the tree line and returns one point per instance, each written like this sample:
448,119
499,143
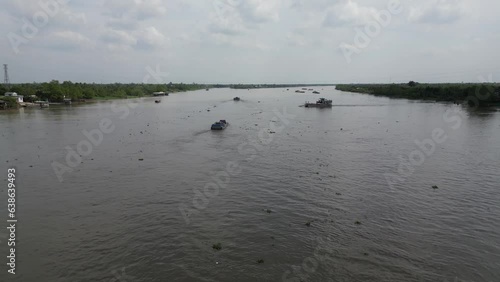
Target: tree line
483,93
55,91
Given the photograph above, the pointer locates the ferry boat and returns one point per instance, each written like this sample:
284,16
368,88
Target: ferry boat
219,125
321,103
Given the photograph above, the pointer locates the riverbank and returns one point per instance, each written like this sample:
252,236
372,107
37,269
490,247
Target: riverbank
88,93
55,91
484,94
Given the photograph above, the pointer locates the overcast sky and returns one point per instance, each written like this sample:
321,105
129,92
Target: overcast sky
251,41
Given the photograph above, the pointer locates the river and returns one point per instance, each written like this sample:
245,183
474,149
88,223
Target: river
290,193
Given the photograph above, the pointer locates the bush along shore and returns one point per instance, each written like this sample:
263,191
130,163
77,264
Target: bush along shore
478,94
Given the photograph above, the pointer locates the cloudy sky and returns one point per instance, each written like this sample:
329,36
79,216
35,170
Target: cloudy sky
251,41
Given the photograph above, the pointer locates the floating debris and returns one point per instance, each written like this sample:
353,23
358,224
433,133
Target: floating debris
308,224
217,246
357,222
435,187
260,261
141,160
268,211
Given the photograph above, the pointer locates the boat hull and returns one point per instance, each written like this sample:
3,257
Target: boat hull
311,105
218,127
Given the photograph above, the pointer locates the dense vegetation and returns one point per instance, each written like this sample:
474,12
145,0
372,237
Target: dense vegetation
55,91
483,94
8,102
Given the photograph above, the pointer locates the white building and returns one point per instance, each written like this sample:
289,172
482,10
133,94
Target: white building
19,98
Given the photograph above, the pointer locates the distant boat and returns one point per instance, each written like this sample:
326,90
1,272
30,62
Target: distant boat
219,125
321,103
44,105
300,91
160,93
315,92
157,101
208,89
236,99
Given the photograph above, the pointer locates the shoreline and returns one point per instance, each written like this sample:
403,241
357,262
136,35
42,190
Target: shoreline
480,94
90,101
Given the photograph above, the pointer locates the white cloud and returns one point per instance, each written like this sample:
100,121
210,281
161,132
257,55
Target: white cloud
145,38
235,17
118,37
437,12
134,9
260,10
68,40
150,37
349,13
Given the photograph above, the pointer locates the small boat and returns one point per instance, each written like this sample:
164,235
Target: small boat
316,92
300,91
220,125
157,101
236,99
321,103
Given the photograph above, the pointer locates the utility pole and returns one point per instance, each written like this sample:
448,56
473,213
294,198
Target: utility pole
6,81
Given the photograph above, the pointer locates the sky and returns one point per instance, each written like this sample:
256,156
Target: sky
251,41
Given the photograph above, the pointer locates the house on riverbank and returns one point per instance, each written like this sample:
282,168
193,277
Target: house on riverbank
19,98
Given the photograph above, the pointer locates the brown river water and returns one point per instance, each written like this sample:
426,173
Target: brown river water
136,191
